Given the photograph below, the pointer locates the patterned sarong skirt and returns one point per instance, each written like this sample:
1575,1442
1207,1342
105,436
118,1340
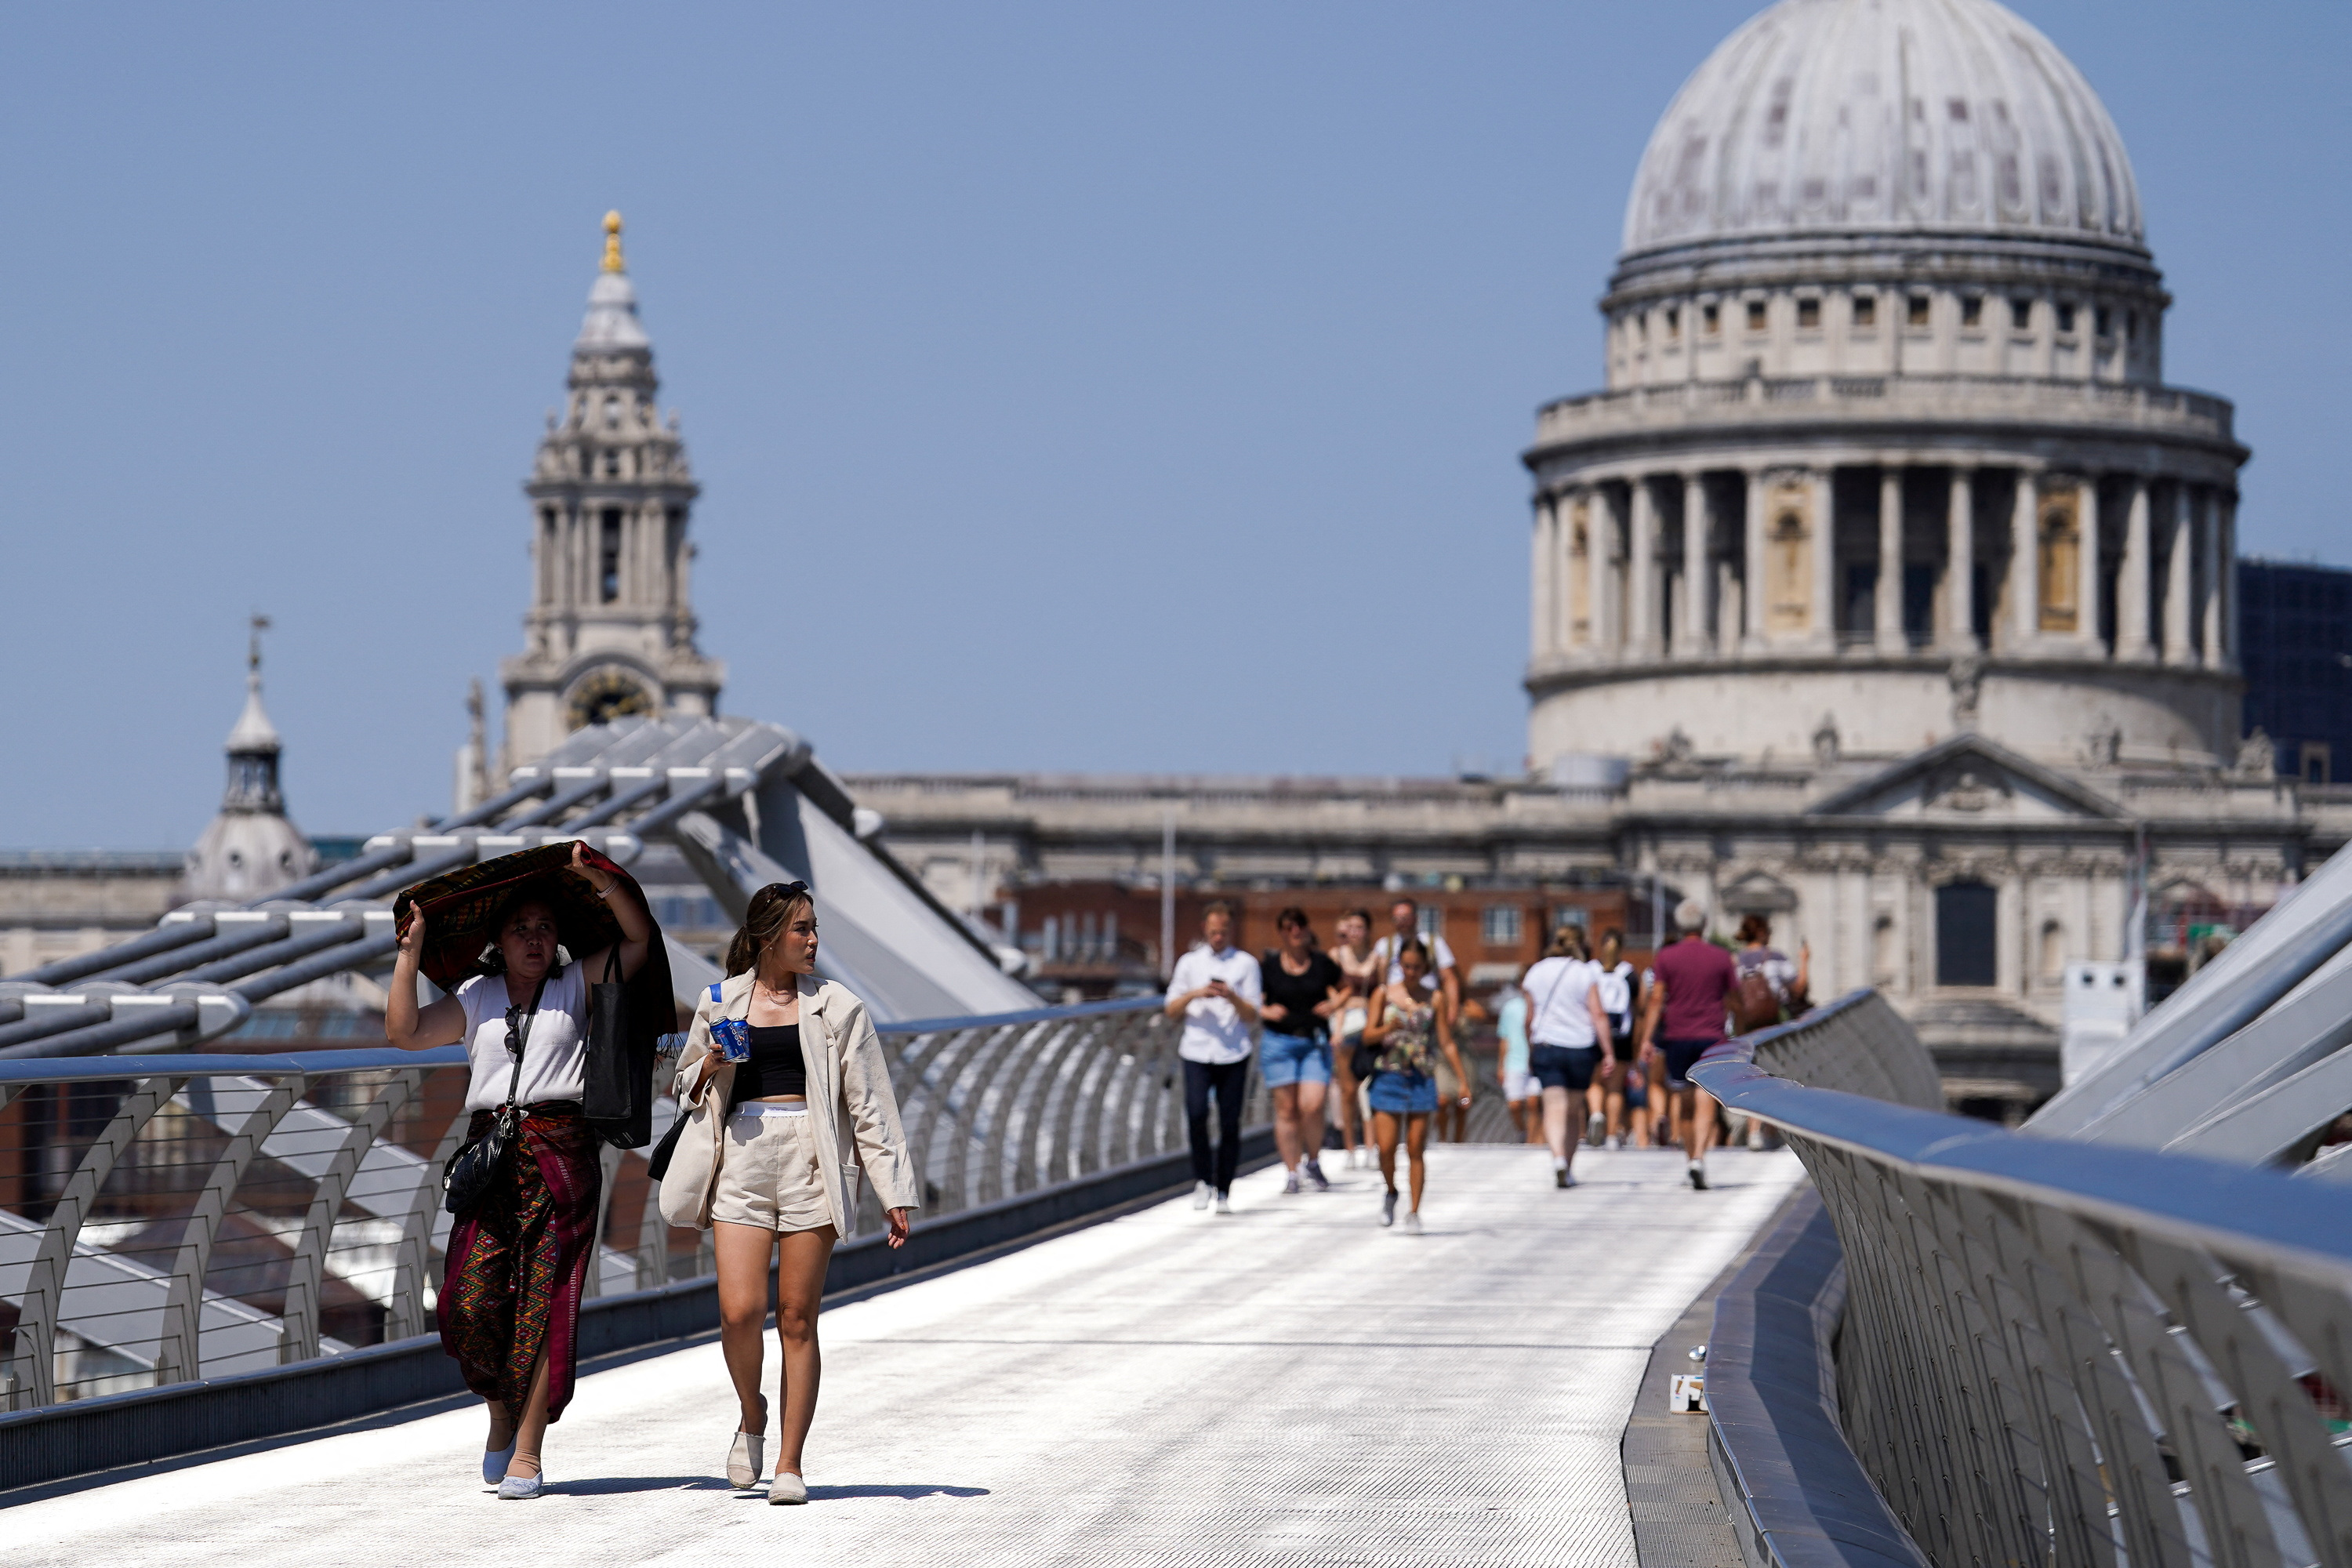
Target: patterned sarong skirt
519,1262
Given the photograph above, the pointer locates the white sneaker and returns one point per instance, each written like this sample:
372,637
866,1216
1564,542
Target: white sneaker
1201,1194
1290,1183
1595,1125
1388,1207
1413,1223
1697,1176
1225,1204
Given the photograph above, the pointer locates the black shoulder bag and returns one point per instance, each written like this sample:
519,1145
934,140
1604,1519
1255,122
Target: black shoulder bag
618,1099
475,1166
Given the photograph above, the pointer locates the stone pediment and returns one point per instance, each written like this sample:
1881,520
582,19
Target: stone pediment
1758,894
1969,779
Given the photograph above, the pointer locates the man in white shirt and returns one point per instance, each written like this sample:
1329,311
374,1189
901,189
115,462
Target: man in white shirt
1405,915
1215,990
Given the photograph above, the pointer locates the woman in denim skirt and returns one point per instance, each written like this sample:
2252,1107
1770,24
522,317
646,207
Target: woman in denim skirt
1409,1029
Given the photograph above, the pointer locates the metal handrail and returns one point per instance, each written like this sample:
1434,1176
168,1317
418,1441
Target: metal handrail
2072,1353
196,1213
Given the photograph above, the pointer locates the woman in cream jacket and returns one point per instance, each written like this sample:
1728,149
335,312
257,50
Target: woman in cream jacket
788,1097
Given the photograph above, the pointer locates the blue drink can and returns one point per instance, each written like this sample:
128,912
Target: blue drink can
734,1038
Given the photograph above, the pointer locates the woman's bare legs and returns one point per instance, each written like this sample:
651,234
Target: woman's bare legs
1563,1120
800,1288
1343,1087
531,1431
1384,1134
744,1253
1286,1124
1416,1141
1310,1119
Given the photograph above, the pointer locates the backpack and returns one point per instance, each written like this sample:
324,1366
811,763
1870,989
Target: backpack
1755,1004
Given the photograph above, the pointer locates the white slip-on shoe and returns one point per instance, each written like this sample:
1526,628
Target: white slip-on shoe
1201,1194
1388,1207
1413,1223
1225,1204
743,1462
787,1487
494,1466
522,1488
1290,1184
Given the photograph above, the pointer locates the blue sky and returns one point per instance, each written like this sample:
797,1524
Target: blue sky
1098,387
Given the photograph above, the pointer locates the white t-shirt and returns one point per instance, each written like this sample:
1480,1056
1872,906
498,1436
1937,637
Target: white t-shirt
554,1056
1557,1014
1214,1028
1385,951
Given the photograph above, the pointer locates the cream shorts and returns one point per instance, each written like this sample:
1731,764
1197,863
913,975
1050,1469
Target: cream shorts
768,1173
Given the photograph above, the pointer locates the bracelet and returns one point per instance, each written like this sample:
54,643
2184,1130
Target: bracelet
607,892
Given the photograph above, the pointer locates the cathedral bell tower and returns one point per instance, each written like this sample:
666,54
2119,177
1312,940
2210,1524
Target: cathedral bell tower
610,628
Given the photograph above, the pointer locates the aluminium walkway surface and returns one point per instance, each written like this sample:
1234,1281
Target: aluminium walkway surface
1291,1384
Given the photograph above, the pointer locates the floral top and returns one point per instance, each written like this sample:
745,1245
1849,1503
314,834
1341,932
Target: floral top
1410,1044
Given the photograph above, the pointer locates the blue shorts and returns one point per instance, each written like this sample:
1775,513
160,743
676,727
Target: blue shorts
1565,1066
1404,1093
1293,1058
1681,1057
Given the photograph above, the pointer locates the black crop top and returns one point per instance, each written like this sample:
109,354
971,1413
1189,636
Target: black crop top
775,1067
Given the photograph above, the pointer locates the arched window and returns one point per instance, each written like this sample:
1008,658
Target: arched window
1965,930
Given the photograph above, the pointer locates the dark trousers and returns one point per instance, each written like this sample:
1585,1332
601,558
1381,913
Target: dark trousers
1230,1082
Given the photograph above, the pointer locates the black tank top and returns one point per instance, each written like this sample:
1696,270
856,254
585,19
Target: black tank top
775,1067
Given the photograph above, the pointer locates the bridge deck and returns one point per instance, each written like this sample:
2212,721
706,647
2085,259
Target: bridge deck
1291,1383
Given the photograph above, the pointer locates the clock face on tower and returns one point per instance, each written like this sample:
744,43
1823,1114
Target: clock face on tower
609,692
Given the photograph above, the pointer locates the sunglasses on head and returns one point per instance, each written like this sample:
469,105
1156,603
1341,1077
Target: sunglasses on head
789,890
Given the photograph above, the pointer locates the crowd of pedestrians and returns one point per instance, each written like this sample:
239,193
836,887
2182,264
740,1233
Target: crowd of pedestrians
1590,1049
785,1102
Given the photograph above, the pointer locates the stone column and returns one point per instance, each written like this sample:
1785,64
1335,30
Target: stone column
2087,566
1751,594
2210,565
2225,520
1960,565
1889,601
2026,561
1820,493
2177,648
1641,574
1600,550
1544,611
2131,585
1693,631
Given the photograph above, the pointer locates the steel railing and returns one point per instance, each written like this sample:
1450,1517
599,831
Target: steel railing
2061,1353
164,1218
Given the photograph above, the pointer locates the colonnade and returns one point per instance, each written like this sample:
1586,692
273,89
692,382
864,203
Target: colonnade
1704,563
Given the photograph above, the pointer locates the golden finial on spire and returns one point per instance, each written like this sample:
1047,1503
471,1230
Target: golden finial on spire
613,262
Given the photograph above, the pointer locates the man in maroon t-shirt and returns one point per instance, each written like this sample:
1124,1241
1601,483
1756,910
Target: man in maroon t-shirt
1683,1015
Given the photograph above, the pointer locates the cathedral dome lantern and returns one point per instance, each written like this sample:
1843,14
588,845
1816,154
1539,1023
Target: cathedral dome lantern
610,628
249,849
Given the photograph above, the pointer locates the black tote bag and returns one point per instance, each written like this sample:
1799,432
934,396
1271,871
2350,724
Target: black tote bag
618,1097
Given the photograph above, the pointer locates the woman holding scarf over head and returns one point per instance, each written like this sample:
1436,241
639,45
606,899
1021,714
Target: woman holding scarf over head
788,1097
518,1261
